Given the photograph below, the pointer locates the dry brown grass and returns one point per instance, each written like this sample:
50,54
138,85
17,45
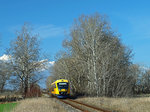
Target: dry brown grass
120,104
39,105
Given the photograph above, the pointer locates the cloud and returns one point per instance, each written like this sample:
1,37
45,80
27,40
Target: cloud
45,66
44,31
5,57
51,62
144,67
49,31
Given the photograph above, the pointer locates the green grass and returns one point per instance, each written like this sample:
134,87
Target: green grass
7,107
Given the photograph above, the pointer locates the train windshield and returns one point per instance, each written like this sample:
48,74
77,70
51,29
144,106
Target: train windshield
62,85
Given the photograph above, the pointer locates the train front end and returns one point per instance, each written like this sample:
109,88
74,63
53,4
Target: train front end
63,89
60,88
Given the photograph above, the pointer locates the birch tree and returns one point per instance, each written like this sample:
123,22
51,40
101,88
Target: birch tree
100,61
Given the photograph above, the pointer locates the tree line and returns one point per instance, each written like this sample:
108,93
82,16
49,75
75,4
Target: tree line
97,63
94,60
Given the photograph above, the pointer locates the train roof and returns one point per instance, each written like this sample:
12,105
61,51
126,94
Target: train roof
60,80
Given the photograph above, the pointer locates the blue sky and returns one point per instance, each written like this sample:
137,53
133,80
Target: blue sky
51,18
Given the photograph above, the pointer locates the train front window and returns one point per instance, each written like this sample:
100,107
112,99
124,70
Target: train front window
62,85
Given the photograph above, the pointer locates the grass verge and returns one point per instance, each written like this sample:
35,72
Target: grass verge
38,105
7,107
141,104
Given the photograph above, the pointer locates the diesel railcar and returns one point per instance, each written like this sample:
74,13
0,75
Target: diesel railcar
60,88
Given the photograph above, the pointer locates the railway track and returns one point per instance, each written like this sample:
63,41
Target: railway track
82,106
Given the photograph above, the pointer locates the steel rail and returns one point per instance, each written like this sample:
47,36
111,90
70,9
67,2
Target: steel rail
81,109
93,107
76,107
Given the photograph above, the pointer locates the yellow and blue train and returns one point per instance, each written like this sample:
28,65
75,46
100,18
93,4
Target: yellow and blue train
60,88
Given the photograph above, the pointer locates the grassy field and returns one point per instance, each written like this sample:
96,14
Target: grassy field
141,104
138,104
7,107
38,105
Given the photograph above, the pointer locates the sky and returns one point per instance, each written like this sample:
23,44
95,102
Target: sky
52,19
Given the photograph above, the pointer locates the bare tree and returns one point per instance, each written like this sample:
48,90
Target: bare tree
24,51
140,78
49,81
5,73
145,80
95,59
136,73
